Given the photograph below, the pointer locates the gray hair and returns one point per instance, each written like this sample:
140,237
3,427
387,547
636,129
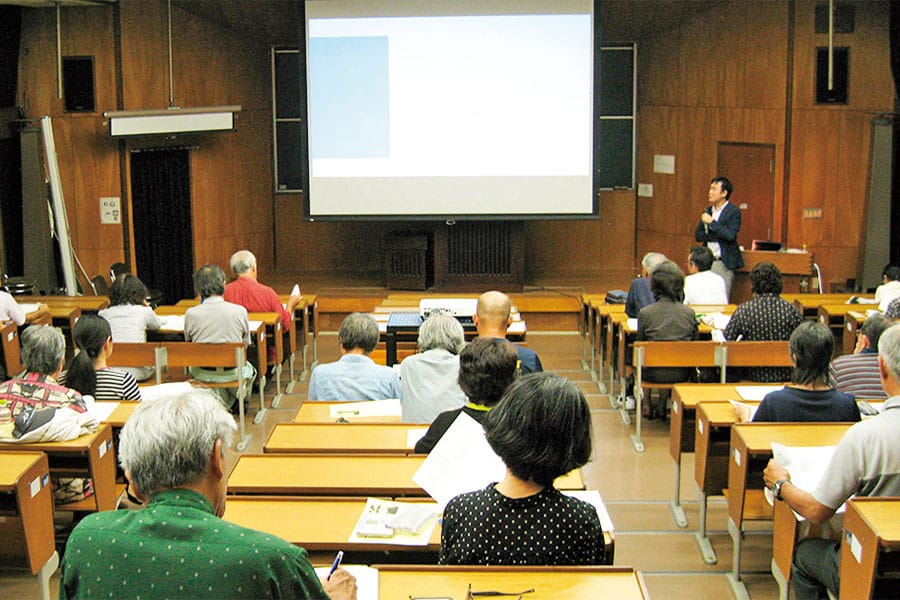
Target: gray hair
242,261
209,280
168,442
359,330
43,348
441,331
652,260
889,349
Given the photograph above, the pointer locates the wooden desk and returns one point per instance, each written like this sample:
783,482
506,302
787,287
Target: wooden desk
312,523
341,438
853,320
91,456
320,412
750,451
26,503
65,317
274,336
339,474
562,583
869,567
305,323
809,303
41,316
833,316
92,304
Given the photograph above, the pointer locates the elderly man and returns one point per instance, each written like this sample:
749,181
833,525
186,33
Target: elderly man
173,453
858,373
703,286
247,291
355,376
639,294
43,353
215,321
866,462
429,380
492,319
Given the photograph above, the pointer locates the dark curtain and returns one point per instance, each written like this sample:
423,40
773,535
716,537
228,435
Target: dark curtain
163,237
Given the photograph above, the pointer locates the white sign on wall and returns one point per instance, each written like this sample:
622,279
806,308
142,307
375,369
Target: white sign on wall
110,212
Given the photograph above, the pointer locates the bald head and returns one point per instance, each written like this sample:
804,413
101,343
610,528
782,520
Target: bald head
492,314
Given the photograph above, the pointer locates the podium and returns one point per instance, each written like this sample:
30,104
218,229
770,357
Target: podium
794,266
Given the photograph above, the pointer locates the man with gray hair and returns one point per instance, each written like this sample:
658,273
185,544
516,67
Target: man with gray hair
173,453
430,380
215,321
639,294
43,354
355,376
866,462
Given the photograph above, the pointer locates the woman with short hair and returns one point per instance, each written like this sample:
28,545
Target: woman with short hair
130,317
429,380
809,396
541,428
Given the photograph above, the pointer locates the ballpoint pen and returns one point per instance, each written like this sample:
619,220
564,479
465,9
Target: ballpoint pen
335,564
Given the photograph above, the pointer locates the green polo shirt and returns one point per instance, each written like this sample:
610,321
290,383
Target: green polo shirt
177,547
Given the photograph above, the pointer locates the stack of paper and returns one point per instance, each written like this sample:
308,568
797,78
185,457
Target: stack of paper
404,523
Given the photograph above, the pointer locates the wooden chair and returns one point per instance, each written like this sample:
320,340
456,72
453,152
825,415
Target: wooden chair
648,354
232,355
137,355
11,349
754,354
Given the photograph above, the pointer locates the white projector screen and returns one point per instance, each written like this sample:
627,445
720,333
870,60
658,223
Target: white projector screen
450,109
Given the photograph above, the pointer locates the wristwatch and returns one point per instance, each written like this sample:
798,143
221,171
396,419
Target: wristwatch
776,487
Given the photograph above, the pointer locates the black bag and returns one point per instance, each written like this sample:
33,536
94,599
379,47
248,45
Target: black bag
616,297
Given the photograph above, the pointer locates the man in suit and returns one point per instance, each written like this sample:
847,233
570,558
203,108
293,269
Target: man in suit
718,229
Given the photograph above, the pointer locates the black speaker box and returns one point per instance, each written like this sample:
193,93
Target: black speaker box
78,83
841,76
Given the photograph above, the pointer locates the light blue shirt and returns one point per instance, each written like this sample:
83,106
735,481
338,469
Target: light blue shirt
353,377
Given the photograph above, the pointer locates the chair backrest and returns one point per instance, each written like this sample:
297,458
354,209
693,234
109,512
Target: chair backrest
137,354
675,354
100,285
196,354
756,354
12,358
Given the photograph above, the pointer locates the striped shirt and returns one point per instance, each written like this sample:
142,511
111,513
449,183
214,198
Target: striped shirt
113,384
857,374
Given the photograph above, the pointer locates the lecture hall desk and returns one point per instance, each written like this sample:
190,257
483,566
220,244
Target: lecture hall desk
809,303
26,502
853,320
91,304
750,451
873,570
306,314
557,583
320,412
383,475
373,438
316,524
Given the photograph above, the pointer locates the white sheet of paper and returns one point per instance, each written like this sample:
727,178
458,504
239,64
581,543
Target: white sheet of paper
378,512
414,435
632,324
295,291
171,322
593,498
165,390
462,461
366,580
102,410
29,307
368,408
743,411
755,392
806,464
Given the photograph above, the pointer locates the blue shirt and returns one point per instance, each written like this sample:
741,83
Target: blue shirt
353,377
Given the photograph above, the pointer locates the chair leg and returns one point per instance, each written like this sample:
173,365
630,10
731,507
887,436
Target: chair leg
636,440
43,576
276,399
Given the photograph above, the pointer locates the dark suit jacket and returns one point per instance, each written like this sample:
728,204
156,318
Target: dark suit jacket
724,231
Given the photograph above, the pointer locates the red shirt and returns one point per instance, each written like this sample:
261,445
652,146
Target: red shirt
256,297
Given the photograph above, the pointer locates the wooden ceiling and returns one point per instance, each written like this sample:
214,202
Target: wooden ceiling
275,22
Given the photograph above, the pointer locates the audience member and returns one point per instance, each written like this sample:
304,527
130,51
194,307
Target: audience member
809,396
130,317
858,373
893,310
173,453
43,353
703,286
88,373
718,229
541,429
248,292
667,319
11,311
486,368
865,463
429,381
492,319
889,290
215,321
355,376
765,317
639,294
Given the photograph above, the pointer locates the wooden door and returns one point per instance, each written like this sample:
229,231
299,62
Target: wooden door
751,169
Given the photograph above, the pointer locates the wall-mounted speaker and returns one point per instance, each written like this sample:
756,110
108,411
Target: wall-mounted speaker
78,83
838,94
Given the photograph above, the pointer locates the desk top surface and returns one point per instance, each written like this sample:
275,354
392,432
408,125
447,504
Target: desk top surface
691,394
91,303
339,437
814,300
320,412
882,515
436,582
13,465
758,437
719,413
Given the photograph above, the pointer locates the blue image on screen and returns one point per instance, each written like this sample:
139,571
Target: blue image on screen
348,97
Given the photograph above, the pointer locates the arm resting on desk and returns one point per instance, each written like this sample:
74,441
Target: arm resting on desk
800,501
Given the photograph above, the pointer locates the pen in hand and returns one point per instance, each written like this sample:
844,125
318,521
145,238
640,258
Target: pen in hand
335,564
